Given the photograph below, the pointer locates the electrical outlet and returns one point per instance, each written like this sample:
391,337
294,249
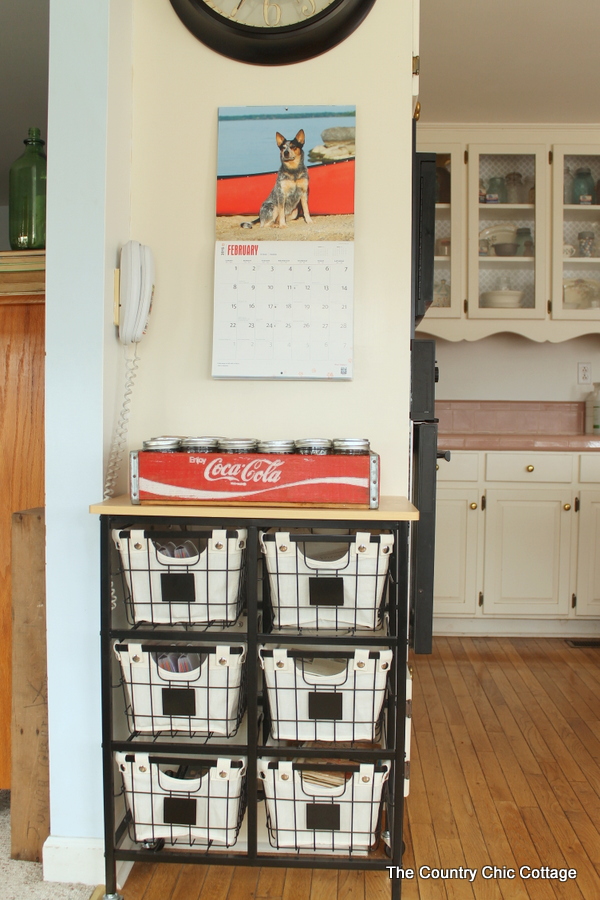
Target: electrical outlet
584,373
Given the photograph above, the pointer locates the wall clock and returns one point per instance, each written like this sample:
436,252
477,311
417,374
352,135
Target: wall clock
271,32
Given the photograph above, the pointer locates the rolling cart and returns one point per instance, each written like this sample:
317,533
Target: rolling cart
255,688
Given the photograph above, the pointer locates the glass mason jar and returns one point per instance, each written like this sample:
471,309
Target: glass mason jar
496,190
237,445
587,244
199,444
282,446
314,446
27,196
584,192
524,242
351,446
514,188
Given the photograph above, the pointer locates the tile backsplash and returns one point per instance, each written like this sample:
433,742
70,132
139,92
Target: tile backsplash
510,417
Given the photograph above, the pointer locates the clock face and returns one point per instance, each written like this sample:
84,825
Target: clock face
268,13
271,32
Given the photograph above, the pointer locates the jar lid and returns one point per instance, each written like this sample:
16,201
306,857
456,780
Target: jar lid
356,444
584,171
523,230
242,445
319,443
162,443
586,234
276,446
208,442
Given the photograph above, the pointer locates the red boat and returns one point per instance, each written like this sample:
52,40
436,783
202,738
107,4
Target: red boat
330,191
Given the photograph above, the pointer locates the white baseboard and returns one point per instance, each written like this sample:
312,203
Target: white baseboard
75,860
551,628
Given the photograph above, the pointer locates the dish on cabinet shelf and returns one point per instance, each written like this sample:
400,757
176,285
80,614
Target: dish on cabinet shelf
496,234
501,299
578,293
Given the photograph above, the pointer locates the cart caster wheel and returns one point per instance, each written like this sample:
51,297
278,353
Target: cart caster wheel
154,846
388,850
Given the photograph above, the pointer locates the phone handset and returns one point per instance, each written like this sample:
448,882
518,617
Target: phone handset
136,286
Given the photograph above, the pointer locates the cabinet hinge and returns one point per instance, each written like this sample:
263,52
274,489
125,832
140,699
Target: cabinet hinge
409,709
481,598
483,502
416,65
466,157
576,504
407,769
550,157
549,306
573,601
466,306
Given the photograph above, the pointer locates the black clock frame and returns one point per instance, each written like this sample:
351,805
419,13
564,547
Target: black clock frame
273,46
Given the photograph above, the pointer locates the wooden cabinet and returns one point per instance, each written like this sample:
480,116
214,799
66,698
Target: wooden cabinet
456,552
21,436
576,244
509,187
518,535
450,231
527,552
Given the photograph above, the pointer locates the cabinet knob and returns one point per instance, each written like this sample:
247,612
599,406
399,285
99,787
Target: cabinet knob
567,507
473,506
530,468
437,466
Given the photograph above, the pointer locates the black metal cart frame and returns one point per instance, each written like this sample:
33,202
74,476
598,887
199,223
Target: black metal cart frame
396,700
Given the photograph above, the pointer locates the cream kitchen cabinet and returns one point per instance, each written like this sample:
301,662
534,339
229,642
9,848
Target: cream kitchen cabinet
459,535
587,598
518,536
558,296
527,552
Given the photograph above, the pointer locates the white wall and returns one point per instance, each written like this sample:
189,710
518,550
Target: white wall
178,86
510,367
173,202
88,217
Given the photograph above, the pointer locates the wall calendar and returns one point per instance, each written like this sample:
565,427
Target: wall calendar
284,252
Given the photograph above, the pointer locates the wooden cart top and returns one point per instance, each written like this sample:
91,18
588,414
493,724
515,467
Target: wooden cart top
396,509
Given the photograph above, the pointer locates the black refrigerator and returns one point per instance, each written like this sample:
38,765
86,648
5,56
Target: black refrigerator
424,424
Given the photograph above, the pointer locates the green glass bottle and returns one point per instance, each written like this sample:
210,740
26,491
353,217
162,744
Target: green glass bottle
27,196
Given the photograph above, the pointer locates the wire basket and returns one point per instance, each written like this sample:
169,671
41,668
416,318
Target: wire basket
323,807
182,689
187,801
327,581
325,695
182,577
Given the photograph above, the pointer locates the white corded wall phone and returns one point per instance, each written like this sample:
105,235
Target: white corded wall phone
134,288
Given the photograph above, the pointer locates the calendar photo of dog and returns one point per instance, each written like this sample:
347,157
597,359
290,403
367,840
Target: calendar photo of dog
286,173
289,197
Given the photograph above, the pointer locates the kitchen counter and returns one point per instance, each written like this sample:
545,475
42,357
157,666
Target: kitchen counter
485,441
513,425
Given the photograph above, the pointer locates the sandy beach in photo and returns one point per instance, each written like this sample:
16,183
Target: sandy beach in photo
322,228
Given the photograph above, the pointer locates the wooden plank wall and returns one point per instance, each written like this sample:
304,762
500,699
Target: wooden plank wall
21,461
30,796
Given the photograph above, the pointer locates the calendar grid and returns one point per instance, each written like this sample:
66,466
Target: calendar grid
283,310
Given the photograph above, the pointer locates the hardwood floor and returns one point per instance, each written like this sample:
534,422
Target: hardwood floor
505,772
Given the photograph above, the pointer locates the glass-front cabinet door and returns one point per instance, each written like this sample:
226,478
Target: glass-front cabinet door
576,242
507,197
448,274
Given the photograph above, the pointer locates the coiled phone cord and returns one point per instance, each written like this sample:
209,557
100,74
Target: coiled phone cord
119,439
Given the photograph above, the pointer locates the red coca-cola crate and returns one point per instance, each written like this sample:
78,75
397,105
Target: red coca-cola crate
239,479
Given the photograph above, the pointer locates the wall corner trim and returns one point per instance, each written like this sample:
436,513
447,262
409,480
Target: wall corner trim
76,860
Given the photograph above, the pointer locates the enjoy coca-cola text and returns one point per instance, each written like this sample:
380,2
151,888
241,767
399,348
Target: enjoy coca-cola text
257,471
